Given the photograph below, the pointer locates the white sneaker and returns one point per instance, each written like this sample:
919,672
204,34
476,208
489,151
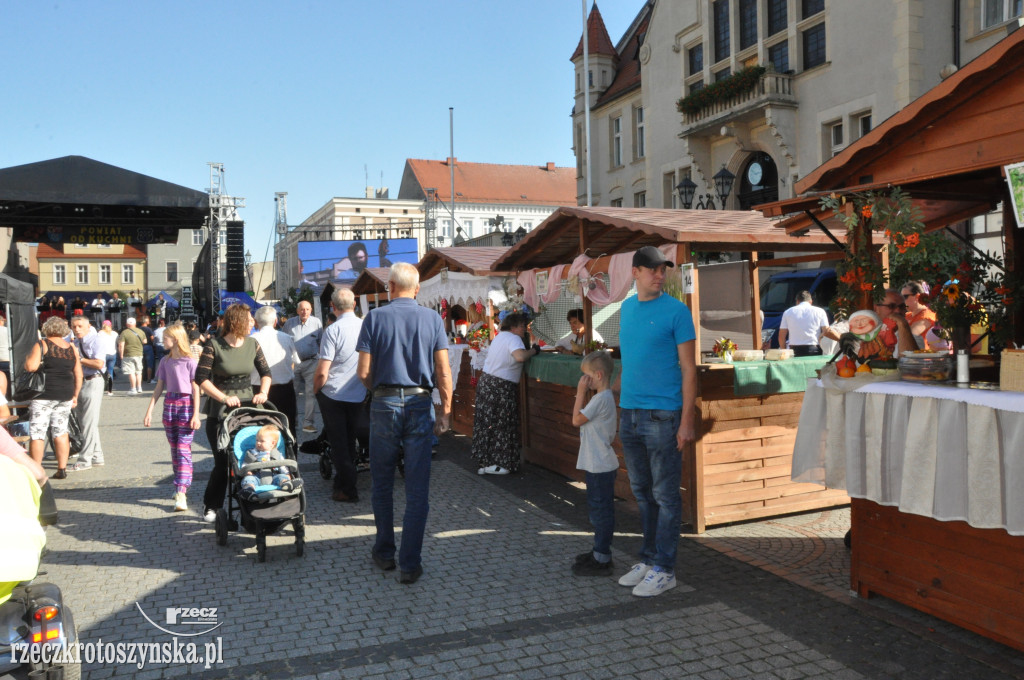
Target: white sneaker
635,575
495,470
482,471
655,583
179,502
210,516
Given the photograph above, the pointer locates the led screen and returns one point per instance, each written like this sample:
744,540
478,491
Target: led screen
343,261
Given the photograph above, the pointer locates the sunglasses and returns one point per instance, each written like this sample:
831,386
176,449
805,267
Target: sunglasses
908,295
892,305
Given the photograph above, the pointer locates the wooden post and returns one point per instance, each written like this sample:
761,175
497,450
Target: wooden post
588,309
755,301
693,299
861,248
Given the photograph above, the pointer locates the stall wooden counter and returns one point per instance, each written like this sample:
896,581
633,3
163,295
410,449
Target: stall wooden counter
739,469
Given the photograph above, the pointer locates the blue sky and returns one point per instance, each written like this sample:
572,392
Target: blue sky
290,96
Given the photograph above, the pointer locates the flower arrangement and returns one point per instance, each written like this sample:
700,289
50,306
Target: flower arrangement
737,84
723,346
593,346
515,305
477,337
969,287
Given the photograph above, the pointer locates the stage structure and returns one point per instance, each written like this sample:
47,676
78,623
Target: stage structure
223,209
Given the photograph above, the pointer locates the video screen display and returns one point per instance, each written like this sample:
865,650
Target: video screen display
341,262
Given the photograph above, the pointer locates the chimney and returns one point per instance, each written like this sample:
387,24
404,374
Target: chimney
382,192
550,167
451,161
369,192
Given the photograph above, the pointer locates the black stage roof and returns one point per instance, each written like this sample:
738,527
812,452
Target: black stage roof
78,200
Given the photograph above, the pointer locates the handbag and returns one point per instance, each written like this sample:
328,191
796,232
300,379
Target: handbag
29,385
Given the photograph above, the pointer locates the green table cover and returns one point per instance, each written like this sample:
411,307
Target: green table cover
560,369
773,377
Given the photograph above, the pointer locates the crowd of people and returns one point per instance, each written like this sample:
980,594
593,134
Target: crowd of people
377,374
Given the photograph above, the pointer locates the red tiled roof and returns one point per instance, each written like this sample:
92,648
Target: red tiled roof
490,182
476,260
627,75
598,41
48,252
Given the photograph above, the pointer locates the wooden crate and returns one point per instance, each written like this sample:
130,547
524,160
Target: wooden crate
1011,370
971,577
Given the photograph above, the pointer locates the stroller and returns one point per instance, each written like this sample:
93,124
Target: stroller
321,446
272,508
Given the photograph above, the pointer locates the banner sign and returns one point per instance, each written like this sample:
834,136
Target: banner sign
129,236
1015,178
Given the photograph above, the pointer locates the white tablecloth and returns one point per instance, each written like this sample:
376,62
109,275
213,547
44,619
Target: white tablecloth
942,452
454,363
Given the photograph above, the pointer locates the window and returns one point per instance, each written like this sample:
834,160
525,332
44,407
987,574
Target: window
357,234
640,199
467,227
997,11
748,23
404,233
222,238
864,124
720,11
696,58
776,16
616,203
640,141
172,271
527,226
128,274
723,74
811,7
382,234
616,141
197,237
59,275
577,82
82,274
778,55
835,136
814,46
697,86
446,228
105,278
590,79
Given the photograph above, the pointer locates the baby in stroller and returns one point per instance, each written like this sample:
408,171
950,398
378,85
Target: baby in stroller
264,450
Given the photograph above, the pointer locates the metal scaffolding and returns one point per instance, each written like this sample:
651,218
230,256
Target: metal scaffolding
223,208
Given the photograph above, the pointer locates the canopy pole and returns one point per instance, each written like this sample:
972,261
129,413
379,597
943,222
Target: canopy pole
755,301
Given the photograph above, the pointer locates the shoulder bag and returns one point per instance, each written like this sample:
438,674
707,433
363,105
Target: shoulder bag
31,385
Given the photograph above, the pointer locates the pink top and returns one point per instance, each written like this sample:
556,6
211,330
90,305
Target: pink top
177,374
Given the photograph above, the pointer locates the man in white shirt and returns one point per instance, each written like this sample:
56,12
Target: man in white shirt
803,325
299,327
339,392
279,351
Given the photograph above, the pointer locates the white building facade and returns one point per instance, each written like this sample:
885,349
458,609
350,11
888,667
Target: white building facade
833,69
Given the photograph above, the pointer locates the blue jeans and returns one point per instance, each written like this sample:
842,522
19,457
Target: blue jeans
655,468
400,426
111,362
147,358
601,499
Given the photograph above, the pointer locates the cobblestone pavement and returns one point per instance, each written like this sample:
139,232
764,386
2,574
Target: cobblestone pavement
760,600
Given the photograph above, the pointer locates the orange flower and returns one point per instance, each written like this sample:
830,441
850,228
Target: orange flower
866,212
866,286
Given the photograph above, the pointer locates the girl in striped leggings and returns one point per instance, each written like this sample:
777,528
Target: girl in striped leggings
177,371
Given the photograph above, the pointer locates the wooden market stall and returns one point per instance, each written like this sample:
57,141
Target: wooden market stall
740,466
462,276
936,475
371,288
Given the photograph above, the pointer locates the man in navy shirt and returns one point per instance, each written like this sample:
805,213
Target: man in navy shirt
403,355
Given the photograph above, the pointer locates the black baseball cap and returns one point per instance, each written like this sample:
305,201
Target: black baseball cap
650,257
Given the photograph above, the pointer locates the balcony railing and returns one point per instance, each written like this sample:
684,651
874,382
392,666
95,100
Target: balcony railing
771,88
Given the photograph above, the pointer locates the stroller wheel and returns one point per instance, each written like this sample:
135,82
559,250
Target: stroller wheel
221,526
326,469
261,547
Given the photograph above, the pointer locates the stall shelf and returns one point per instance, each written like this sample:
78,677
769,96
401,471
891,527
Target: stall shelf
737,468
948,151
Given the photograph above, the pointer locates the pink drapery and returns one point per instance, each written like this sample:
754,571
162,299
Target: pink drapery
528,280
620,277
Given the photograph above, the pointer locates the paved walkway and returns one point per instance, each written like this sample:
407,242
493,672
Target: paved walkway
760,600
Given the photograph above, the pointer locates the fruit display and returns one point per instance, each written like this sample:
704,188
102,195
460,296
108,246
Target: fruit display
883,366
846,367
923,366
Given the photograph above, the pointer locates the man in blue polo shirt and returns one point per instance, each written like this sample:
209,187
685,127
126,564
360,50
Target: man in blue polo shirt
657,401
403,355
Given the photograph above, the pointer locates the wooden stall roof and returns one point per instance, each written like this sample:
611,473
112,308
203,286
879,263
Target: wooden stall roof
371,280
476,260
946,148
607,231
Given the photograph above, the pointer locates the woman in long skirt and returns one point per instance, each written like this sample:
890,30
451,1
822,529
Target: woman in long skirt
496,440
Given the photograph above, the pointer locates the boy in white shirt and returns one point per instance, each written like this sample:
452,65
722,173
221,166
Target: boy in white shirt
597,422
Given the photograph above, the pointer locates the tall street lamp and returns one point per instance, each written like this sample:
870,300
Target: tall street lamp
248,270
